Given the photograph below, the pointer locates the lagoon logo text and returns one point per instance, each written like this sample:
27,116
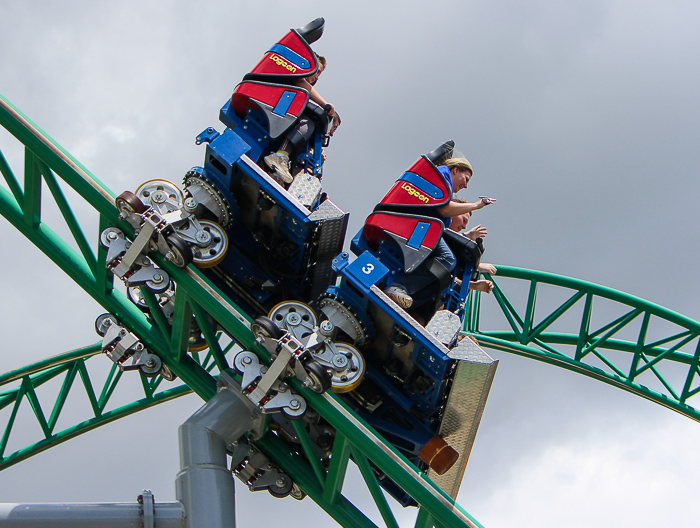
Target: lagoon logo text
414,192
281,62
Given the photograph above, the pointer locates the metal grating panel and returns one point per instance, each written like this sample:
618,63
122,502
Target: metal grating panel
444,325
328,238
326,211
465,406
305,188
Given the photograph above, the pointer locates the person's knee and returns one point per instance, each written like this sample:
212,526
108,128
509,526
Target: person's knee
448,260
445,256
450,263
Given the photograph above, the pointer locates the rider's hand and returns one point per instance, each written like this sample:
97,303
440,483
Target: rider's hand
485,267
476,232
335,125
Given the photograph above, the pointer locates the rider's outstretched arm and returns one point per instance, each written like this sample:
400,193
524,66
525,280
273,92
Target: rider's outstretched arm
454,208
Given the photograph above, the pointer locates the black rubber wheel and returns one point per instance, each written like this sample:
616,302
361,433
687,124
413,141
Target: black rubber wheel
281,492
105,240
264,327
321,379
151,371
293,415
160,286
180,253
101,327
127,202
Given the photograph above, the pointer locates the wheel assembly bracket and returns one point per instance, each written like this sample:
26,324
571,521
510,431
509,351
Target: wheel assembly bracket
128,260
264,386
125,349
256,471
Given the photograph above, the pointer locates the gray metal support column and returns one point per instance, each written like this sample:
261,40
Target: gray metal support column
204,484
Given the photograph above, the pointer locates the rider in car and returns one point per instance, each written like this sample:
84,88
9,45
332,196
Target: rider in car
420,287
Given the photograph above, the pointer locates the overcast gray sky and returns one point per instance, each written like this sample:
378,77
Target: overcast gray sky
580,117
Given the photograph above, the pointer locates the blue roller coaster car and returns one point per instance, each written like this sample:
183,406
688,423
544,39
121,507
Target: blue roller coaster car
277,251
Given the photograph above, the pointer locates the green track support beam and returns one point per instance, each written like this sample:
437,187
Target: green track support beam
602,333
26,384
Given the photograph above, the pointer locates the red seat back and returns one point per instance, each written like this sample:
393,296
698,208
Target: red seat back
415,235
280,103
290,58
421,186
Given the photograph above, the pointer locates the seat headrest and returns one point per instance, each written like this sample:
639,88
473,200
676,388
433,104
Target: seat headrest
312,31
442,153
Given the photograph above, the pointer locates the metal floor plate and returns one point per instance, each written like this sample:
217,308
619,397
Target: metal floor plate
464,408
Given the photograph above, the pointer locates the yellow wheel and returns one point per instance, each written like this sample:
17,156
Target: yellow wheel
212,244
348,368
197,347
154,192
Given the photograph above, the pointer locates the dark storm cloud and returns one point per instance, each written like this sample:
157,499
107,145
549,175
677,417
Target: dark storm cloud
581,118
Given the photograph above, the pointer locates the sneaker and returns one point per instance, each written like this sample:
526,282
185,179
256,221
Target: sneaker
279,162
399,296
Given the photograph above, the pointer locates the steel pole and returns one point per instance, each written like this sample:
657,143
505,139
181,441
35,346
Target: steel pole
204,484
78,515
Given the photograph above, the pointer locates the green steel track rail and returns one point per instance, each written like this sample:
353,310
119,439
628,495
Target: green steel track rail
25,386
22,394
602,333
